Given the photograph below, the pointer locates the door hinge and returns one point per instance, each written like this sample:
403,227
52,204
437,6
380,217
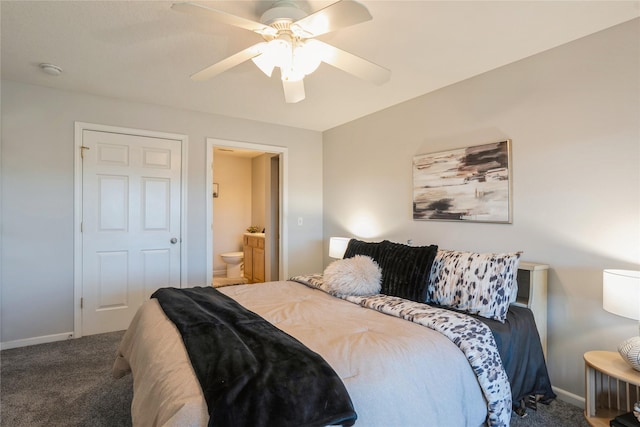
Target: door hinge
82,148
81,303
81,227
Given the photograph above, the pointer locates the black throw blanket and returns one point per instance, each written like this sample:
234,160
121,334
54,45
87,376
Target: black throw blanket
252,373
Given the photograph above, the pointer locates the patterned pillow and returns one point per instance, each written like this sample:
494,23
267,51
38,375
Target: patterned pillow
359,276
474,283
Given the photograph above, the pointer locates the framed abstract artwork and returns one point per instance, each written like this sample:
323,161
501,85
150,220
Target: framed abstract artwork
467,184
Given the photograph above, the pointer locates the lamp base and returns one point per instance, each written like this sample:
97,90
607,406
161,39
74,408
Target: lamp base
630,352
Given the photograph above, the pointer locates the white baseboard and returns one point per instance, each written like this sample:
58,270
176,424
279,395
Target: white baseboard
569,397
35,340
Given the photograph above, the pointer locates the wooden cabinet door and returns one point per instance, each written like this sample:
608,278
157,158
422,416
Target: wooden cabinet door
248,263
258,265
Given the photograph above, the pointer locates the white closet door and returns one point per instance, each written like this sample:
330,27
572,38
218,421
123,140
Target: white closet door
130,225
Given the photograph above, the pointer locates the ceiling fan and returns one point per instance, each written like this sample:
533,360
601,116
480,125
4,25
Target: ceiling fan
289,43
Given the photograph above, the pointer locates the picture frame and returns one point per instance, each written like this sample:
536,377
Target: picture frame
216,190
470,184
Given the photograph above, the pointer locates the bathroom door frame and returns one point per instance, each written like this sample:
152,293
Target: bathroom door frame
283,239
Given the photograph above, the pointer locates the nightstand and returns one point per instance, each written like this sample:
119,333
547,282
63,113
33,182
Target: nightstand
611,387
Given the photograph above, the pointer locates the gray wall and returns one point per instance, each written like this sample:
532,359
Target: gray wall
37,195
573,115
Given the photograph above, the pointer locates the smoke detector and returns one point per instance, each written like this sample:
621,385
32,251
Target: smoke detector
52,70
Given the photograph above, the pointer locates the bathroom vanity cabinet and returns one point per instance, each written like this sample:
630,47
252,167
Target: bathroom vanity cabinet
254,257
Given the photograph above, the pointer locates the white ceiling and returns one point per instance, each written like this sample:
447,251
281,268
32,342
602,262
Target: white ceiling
143,51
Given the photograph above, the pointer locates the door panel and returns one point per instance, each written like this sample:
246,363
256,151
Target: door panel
113,200
156,197
131,217
156,270
112,275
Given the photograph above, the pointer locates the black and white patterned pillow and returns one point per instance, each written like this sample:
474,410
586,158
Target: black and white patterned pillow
475,283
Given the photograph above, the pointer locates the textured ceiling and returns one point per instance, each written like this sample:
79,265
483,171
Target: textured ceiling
144,51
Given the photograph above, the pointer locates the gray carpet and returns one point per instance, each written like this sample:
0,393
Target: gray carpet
66,383
69,383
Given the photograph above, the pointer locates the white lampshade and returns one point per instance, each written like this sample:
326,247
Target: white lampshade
276,53
306,59
295,58
621,293
265,62
337,246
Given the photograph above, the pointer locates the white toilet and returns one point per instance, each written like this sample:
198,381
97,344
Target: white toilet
234,263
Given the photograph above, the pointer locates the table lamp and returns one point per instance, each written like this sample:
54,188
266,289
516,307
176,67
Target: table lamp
621,296
337,246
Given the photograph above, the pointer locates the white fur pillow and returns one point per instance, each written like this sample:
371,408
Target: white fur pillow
358,276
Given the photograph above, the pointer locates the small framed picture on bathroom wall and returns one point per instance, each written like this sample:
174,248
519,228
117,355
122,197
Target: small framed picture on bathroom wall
216,189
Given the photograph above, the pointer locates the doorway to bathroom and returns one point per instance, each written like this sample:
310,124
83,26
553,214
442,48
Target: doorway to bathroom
246,188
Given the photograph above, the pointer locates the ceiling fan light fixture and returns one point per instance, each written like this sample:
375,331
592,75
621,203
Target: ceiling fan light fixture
294,62
306,58
264,61
280,51
291,75
276,54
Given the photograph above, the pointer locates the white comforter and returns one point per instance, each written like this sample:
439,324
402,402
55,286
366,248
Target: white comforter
397,373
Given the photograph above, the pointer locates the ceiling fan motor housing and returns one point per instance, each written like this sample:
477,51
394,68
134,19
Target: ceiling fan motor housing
282,14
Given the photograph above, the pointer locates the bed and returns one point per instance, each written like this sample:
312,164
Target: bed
401,361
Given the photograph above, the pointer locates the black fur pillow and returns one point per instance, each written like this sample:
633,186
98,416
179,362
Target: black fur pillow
406,269
358,247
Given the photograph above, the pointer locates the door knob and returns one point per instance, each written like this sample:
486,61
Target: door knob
173,240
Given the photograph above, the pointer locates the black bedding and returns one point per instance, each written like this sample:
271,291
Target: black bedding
522,357
265,377
520,349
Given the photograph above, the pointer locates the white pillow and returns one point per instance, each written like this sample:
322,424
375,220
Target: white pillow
359,275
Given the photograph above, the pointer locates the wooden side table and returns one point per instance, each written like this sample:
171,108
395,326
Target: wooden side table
611,387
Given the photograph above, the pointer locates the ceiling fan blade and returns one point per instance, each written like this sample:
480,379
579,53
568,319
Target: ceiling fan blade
352,64
293,91
338,15
224,17
229,62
